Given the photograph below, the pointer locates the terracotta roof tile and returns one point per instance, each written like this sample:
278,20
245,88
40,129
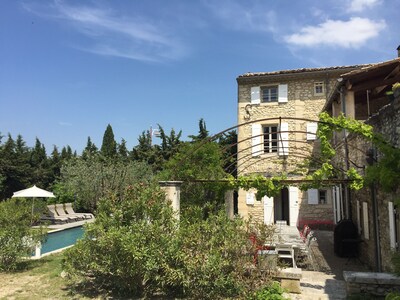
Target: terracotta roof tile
303,70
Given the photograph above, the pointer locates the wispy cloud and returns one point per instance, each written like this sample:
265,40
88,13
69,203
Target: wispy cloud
360,5
244,17
61,123
112,34
347,34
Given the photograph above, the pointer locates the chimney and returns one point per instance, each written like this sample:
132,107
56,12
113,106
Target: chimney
398,51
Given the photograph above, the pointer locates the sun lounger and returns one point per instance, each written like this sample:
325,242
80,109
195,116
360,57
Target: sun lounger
53,216
70,211
61,212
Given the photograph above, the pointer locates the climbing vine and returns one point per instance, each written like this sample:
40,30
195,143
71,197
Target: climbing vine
386,171
264,186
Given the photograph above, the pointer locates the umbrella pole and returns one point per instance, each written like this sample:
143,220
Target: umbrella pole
33,203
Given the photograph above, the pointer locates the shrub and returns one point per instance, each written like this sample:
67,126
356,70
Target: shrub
137,248
271,292
17,238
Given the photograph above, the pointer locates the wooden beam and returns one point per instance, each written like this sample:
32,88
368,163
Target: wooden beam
375,82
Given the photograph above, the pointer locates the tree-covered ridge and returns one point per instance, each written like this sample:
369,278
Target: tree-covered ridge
22,166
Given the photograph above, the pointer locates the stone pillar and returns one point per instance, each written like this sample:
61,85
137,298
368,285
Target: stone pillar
229,204
173,191
38,250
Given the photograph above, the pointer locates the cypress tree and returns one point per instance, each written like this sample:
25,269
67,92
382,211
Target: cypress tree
109,146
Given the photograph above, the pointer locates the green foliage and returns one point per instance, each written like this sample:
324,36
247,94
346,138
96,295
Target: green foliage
90,149
357,181
396,86
193,162
14,166
137,248
270,292
203,132
17,238
393,296
153,154
109,146
126,248
265,186
228,143
91,179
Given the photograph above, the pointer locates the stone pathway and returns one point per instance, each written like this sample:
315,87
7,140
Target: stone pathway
326,280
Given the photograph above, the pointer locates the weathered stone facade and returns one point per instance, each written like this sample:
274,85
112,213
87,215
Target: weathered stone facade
387,123
303,106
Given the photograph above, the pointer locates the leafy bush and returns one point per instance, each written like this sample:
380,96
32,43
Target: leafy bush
90,179
17,238
137,248
271,292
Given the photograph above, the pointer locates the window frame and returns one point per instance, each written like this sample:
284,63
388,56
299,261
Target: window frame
319,84
271,140
271,98
324,199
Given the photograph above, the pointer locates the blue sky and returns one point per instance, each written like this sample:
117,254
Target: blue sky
69,68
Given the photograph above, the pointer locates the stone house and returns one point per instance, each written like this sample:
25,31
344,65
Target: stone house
277,122
362,95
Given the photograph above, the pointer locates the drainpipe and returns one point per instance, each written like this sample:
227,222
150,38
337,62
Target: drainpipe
347,204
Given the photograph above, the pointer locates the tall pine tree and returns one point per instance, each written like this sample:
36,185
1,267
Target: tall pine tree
109,146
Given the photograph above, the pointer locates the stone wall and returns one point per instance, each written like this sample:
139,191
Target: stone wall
371,284
387,123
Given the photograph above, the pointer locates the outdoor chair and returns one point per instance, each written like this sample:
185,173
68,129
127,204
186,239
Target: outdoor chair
53,216
71,212
286,252
61,212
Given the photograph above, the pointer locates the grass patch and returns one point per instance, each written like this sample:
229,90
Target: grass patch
40,279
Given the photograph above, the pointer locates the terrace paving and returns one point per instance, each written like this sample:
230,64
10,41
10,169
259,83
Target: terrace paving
325,281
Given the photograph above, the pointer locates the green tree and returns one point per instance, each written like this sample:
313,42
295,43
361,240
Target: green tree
228,142
41,174
203,132
90,149
123,152
17,238
14,167
91,179
55,162
136,248
200,166
169,143
109,146
144,150
66,153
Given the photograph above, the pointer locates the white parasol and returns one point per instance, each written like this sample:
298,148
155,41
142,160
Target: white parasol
33,192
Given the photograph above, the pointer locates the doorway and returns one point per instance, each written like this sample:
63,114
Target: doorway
281,206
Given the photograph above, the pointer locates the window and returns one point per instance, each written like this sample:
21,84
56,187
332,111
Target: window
317,196
322,196
318,88
269,93
270,134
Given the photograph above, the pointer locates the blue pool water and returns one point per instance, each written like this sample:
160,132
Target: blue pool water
61,239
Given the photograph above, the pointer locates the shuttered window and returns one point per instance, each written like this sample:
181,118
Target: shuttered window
270,93
270,134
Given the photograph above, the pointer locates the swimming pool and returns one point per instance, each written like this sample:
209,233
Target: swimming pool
58,240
